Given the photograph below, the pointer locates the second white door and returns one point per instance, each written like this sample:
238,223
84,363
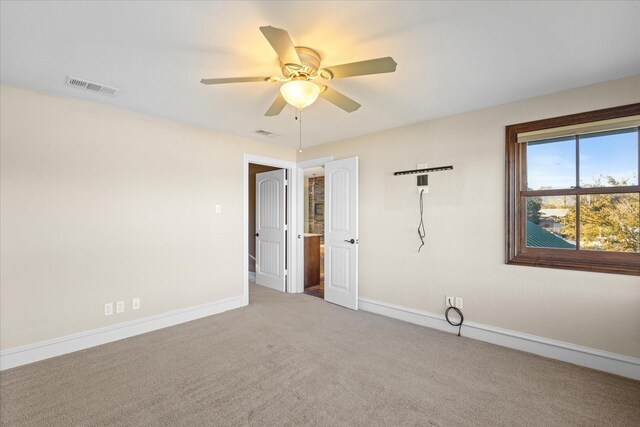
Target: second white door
341,232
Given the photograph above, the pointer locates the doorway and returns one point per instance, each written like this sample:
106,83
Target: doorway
339,238
313,191
252,165
340,227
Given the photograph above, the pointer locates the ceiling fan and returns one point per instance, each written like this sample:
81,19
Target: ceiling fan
303,75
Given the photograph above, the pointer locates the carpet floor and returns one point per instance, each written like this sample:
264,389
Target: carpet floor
289,360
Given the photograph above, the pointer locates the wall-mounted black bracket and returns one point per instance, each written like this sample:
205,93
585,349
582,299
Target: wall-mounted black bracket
427,170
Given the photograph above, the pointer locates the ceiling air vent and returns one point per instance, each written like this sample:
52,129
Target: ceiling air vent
90,86
264,132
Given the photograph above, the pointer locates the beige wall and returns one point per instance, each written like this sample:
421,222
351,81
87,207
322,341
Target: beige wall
464,219
100,204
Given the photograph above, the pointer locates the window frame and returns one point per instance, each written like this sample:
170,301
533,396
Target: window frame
517,251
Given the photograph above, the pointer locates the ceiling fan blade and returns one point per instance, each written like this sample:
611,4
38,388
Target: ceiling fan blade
234,80
371,66
338,99
276,107
281,42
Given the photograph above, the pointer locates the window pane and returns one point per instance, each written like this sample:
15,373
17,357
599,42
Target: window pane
549,222
551,164
610,222
609,158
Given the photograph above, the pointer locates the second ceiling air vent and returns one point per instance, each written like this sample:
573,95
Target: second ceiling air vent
90,86
265,132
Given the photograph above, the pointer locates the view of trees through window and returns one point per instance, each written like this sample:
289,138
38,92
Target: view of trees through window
601,208
573,191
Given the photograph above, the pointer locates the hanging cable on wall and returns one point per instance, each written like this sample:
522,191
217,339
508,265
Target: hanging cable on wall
421,231
423,186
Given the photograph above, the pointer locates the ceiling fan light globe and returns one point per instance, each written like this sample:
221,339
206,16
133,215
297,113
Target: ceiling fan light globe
300,93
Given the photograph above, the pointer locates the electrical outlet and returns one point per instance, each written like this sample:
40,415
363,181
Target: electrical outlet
450,301
135,303
120,307
108,309
459,302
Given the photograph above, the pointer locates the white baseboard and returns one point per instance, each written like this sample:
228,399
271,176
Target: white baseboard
17,356
618,364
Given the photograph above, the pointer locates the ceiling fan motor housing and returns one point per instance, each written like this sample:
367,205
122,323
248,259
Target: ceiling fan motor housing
308,67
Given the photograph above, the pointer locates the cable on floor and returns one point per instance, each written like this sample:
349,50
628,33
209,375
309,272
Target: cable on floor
457,310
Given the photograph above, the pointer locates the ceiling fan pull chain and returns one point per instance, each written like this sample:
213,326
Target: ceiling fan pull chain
300,134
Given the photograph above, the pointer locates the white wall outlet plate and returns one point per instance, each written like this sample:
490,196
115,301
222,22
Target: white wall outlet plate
135,303
108,309
120,307
459,302
450,301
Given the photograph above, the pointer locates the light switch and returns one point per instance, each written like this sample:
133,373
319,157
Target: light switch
218,209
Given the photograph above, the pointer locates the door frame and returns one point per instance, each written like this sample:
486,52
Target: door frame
292,194
298,286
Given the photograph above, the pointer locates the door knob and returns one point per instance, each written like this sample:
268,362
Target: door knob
352,241
257,234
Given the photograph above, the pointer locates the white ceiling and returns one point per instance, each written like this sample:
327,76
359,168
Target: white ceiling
317,171
452,56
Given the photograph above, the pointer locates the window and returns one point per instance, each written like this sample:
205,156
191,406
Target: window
573,191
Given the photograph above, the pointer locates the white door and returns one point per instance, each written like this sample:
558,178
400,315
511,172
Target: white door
271,229
341,232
